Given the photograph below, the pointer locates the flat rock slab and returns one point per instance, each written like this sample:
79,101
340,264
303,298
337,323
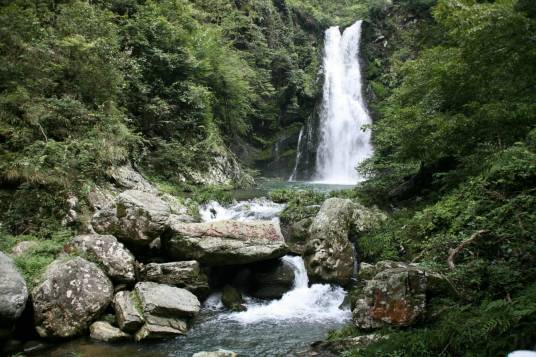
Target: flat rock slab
167,301
224,242
154,332
186,274
73,294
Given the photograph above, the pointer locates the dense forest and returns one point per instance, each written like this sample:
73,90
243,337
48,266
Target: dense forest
175,88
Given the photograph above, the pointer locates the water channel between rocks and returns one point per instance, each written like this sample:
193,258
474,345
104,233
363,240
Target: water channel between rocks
283,327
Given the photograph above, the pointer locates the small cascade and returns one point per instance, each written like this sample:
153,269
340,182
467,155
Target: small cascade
315,303
298,157
256,209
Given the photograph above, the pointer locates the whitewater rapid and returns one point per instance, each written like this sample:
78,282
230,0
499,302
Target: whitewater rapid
314,303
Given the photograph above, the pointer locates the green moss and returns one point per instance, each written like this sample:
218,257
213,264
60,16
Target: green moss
137,302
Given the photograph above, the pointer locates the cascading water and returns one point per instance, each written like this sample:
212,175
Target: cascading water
255,209
343,142
277,328
317,303
298,157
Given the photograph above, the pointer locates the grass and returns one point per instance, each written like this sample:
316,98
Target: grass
34,261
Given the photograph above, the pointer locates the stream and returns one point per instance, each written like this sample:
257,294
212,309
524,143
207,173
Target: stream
283,327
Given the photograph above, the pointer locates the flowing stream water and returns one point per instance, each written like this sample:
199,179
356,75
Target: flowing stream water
283,327
306,313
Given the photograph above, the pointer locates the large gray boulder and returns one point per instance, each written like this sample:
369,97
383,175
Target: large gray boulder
165,310
224,242
129,316
186,274
13,292
328,253
72,294
136,217
395,296
119,264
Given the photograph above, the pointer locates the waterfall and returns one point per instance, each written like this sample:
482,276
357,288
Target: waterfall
298,157
343,142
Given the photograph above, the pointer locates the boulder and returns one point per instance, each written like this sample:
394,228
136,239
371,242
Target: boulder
119,264
100,198
72,294
366,272
128,315
395,296
13,293
328,254
136,217
103,331
164,300
224,242
220,353
297,234
24,247
366,218
271,280
232,299
186,274
126,177
165,310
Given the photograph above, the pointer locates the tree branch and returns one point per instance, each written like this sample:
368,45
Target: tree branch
454,252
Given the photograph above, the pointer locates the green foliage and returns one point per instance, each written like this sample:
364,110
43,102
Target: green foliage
85,86
205,194
34,261
300,203
461,95
491,328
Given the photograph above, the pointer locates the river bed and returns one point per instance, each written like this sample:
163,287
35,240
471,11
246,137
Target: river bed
283,327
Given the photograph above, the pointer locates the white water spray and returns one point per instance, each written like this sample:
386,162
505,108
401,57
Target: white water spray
343,142
255,209
319,302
